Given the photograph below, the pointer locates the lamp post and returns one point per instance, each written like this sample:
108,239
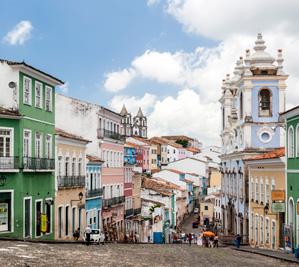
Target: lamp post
80,196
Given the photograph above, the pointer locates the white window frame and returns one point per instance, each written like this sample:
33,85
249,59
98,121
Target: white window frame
11,145
291,147
29,142
256,190
51,214
262,192
267,228
40,105
30,91
42,210
12,210
51,98
297,140
25,198
41,145
48,154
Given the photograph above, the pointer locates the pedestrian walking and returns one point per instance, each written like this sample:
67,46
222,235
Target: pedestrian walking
87,235
102,238
190,238
216,241
238,240
76,234
199,241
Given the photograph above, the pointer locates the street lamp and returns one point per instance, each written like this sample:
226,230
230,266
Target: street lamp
266,208
80,195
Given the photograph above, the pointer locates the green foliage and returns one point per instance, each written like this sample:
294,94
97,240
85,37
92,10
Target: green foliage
184,143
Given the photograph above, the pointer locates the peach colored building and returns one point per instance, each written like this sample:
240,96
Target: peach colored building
70,175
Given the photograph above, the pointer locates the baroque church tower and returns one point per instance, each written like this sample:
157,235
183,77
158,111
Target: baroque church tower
136,126
250,104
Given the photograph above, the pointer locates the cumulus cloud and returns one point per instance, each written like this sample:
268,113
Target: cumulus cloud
152,2
118,80
218,19
19,34
133,103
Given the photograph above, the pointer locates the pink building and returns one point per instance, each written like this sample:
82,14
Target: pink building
112,150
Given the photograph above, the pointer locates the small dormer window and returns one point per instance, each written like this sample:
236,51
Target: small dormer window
265,101
264,72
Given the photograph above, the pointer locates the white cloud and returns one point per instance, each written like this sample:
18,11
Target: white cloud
19,34
133,103
152,2
118,80
218,19
65,88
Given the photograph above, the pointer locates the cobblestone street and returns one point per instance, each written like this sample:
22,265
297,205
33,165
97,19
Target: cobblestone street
37,254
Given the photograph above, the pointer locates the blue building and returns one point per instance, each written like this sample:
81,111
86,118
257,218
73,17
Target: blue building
251,102
129,154
94,192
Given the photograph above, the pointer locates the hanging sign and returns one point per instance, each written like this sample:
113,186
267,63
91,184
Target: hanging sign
278,195
278,207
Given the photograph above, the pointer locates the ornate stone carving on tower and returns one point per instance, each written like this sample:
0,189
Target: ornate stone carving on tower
135,127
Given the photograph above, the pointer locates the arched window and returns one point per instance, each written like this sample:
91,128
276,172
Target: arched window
291,142
241,105
297,141
223,118
265,102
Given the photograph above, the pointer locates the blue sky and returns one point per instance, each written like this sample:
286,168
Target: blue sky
169,56
81,41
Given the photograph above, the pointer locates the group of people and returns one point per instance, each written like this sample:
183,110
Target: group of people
208,241
132,238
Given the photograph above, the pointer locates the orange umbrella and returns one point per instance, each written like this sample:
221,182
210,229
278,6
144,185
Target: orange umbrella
208,233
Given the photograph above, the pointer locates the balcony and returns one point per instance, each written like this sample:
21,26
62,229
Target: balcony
113,201
110,134
9,163
137,211
97,192
129,212
71,181
38,164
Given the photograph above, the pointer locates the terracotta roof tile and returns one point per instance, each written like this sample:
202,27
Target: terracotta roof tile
70,135
94,159
175,171
277,153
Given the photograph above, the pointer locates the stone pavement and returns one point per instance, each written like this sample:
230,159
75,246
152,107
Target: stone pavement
270,253
27,254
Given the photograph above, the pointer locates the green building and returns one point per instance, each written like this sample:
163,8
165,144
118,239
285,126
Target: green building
292,171
27,151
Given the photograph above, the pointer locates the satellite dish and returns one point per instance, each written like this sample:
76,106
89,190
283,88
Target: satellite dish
12,85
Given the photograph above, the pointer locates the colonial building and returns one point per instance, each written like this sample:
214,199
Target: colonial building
267,199
70,184
250,104
136,126
292,171
27,165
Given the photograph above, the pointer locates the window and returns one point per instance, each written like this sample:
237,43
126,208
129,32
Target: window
38,145
48,146
38,95
297,141
267,196
6,211
38,213
262,192
265,102
27,91
267,230
262,229
80,167
5,143
48,213
256,190
59,166
252,189
67,166
241,105
73,167
27,143
48,99
291,142
206,208
73,220
67,220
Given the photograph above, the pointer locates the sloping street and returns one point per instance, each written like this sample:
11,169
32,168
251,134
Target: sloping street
37,254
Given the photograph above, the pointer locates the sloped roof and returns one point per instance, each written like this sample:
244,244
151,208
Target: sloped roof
70,136
193,149
9,113
178,137
174,144
173,170
159,140
161,186
94,159
123,111
23,63
277,153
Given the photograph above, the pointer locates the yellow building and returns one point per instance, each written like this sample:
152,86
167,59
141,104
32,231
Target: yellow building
153,156
266,199
70,176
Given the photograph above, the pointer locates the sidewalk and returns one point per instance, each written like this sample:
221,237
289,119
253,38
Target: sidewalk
281,255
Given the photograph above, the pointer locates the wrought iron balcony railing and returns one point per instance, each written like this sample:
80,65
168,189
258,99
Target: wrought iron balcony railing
113,201
71,181
97,192
38,163
137,211
110,134
9,163
129,212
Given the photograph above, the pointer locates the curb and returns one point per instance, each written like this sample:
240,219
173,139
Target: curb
267,255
